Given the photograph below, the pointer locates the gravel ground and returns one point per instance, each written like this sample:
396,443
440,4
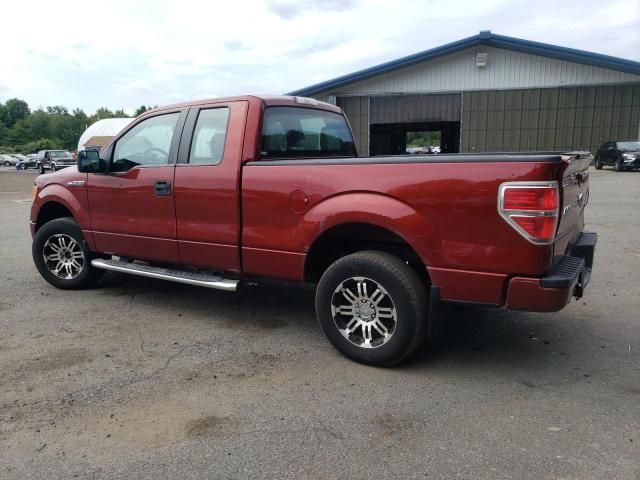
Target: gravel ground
148,379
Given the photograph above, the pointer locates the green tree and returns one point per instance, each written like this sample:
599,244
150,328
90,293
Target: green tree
51,127
101,114
14,110
143,108
40,144
58,110
4,134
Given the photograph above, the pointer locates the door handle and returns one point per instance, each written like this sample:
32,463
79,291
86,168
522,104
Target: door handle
162,188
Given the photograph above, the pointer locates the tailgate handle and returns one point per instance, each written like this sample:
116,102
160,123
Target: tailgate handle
162,188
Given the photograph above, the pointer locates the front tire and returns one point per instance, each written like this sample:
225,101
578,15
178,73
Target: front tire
618,166
372,307
61,255
7,164
598,163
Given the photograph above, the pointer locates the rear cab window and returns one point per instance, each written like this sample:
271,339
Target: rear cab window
297,132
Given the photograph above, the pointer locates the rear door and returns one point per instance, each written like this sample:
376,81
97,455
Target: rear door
207,186
610,153
132,206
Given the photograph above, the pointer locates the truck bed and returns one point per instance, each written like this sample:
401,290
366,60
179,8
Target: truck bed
444,206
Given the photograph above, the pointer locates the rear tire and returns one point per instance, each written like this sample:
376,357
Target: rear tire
41,170
61,255
372,307
7,164
598,163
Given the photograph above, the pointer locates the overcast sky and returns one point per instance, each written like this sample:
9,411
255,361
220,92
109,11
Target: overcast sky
124,53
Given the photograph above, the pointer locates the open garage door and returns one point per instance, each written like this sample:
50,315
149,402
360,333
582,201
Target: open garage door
402,124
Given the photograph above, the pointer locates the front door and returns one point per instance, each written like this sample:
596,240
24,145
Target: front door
132,206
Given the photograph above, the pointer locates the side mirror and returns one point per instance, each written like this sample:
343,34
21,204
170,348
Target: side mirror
89,161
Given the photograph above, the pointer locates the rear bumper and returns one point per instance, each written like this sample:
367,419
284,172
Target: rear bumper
568,278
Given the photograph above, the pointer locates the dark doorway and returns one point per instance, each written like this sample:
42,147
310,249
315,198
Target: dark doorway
395,138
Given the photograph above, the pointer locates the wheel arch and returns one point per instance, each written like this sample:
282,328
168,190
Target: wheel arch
55,201
387,225
51,211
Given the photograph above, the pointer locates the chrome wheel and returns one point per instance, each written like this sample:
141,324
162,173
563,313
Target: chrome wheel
363,312
63,256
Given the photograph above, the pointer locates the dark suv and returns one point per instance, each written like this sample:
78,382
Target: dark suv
54,160
622,155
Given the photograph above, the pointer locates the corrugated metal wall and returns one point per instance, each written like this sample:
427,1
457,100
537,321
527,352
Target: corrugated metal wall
415,108
357,111
575,118
506,69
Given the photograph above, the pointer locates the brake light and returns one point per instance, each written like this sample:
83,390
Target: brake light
530,198
531,208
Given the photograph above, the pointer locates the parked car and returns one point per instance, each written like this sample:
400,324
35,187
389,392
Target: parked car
8,160
273,187
54,160
622,155
19,156
28,162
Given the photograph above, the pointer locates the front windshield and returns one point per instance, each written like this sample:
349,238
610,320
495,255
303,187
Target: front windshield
60,154
629,146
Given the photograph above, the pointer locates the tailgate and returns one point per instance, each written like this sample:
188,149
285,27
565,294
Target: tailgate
574,193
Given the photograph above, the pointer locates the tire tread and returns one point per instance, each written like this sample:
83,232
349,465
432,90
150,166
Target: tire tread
411,283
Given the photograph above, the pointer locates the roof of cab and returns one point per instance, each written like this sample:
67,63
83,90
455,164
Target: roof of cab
266,100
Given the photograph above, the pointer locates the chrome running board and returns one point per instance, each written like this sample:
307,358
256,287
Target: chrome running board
180,276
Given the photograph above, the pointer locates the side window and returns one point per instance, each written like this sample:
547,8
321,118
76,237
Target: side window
209,136
147,143
296,132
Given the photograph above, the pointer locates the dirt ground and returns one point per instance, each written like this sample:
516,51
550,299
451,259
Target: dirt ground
149,379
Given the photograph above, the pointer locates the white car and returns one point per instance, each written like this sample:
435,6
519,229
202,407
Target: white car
8,160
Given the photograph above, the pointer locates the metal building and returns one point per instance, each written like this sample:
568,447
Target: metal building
490,92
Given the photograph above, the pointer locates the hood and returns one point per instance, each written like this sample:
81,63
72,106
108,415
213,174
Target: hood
63,176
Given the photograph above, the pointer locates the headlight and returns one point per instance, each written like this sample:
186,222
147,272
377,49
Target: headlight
628,156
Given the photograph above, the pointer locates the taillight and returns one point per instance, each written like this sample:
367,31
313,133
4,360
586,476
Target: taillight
531,208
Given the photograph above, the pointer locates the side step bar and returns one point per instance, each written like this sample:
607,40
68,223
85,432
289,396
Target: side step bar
180,276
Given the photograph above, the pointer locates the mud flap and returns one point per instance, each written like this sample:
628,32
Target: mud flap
437,313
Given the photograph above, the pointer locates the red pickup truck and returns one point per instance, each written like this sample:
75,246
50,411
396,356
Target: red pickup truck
209,193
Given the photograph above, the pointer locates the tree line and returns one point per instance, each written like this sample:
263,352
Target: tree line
26,131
